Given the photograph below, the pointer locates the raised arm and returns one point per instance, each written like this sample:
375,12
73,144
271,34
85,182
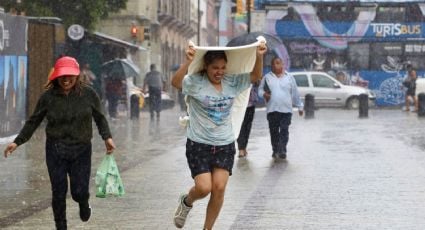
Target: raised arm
257,72
177,78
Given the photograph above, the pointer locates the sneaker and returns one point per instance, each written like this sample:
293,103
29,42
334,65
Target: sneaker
181,212
85,212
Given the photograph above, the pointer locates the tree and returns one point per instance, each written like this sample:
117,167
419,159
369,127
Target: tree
84,12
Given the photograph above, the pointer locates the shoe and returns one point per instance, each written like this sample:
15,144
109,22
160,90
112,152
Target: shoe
282,155
181,212
85,212
274,155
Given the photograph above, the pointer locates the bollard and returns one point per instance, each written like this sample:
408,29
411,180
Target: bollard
363,105
134,107
309,106
421,104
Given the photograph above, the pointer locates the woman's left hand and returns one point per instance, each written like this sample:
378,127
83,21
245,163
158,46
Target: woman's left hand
262,48
110,146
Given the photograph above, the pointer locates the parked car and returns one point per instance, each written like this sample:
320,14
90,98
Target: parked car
135,91
420,86
329,92
166,101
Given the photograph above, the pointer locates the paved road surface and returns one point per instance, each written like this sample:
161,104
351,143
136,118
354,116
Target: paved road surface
342,172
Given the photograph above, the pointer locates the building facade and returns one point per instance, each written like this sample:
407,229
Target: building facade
164,27
159,26
178,24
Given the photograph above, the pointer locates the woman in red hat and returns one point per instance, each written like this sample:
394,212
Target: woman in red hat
69,106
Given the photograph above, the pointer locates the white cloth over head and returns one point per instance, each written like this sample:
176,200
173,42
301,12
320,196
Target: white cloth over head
240,59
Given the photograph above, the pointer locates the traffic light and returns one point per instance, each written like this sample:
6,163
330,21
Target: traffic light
133,31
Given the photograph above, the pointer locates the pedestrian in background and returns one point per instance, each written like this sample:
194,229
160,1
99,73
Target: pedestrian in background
247,121
182,102
410,84
114,93
319,62
281,95
210,146
155,83
69,106
87,75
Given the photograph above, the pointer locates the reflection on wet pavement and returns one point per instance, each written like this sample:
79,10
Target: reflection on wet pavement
342,172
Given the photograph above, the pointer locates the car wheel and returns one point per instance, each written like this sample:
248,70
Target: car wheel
353,103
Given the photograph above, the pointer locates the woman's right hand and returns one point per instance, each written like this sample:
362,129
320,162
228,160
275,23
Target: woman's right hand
9,149
190,53
177,79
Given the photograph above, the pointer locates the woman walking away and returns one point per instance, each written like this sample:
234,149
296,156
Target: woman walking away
247,121
210,146
410,84
69,106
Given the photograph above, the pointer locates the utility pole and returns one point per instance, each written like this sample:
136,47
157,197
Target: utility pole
248,15
199,23
217,9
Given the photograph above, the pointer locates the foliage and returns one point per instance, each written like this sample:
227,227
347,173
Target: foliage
84,12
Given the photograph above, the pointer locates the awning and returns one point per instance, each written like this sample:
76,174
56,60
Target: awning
117,41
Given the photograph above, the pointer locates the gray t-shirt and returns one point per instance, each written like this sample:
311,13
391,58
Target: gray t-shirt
210,110
154,79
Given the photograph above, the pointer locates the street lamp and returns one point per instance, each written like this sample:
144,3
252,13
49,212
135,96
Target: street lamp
217,9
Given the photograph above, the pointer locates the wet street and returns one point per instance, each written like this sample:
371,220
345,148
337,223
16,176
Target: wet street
342,172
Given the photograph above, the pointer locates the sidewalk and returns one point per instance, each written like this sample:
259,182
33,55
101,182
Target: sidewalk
342,173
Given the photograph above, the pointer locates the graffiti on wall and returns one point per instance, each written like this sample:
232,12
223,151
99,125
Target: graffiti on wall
13,74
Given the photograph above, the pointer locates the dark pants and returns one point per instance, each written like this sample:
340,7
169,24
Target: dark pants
182,103
246,127
65,160
154,100
279,134
113,104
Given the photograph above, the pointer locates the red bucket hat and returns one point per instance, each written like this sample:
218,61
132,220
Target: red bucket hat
65,66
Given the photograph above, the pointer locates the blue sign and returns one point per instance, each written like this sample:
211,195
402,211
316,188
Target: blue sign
382,31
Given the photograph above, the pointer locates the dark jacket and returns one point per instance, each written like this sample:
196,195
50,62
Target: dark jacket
69,117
